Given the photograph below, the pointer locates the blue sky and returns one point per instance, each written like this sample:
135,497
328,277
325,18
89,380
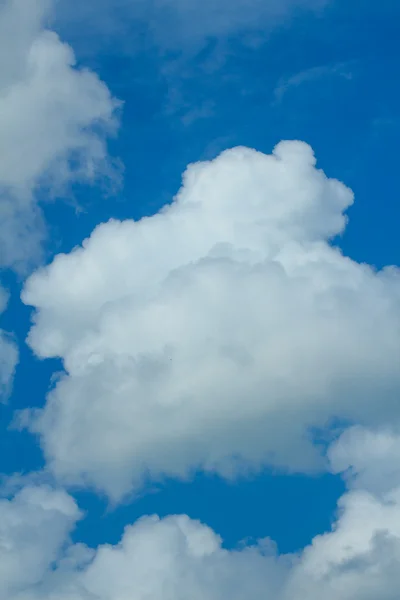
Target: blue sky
154,89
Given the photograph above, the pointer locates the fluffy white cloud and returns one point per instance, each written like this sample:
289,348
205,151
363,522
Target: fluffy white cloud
174,558
216,333
54,118
8,353
33,529
369,458
357,560
177,558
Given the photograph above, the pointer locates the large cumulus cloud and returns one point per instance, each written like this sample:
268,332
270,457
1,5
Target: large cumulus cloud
217,334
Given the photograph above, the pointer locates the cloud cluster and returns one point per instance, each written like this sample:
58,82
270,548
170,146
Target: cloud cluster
8,353
54,118
176,558
220,334
217,334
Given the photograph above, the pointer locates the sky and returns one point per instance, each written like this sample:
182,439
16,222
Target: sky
199,300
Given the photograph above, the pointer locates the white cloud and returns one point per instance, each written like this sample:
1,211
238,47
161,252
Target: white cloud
176,558
369,458
357,560
54,118
33,529
8,353
214,334
173,558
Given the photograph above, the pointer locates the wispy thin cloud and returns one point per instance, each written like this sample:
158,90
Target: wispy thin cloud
342,70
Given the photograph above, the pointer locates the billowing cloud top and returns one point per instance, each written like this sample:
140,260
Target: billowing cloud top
216,334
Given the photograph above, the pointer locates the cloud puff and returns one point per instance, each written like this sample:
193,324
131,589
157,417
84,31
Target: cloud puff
357,559
54,118
33,529
217,333
8,353
176,557
369,458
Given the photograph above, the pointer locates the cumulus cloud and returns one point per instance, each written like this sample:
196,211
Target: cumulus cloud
357,559
216,334
34,526
54,118
8,353
369,458
170,558
177,558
